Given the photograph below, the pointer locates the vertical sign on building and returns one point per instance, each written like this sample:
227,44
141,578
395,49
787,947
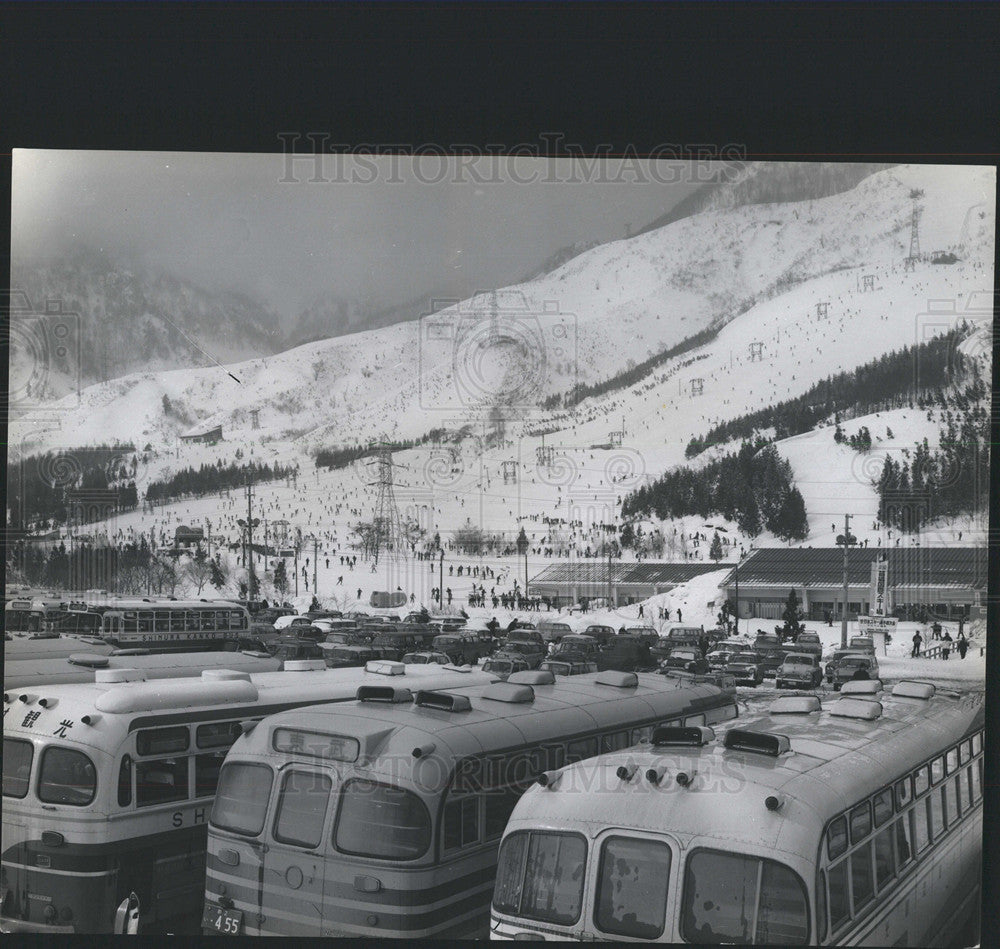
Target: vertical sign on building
879,590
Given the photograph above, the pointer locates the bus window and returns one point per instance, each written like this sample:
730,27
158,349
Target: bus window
836,838
975,781
208,619
977,743
953,804
498,806
641,734
694,720
904,793
937,813
206,772
461,821
579,750
376,820
723,714
125,782
724,893
885,858
631,898
17,757
162,621
552,886
216,734
160,781
921,835
191,620
222,619
820,905
241,801
66,777
145,621
862,883
921,781
302,808
614,742
162,741
236,620
951,761
840,906
965,751
861,822
937,769
883,806
904,840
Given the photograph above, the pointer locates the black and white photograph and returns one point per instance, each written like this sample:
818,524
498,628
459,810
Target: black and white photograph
466,542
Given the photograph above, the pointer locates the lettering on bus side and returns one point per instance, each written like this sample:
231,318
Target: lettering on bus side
199,816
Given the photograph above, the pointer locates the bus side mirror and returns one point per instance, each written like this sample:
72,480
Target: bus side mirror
127,916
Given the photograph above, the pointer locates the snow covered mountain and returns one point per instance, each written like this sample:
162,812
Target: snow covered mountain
749,275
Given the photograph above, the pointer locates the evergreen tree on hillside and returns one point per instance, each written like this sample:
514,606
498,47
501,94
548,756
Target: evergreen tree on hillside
281,578
715,551
791,522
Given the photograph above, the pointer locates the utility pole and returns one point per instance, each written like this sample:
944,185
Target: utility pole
265,545
441,581
208,529
315,563
843,619
737,611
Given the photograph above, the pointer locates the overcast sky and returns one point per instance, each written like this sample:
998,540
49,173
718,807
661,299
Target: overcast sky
398,230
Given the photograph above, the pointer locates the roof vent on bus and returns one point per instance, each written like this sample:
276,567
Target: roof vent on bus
620,680
532,677
115,676
383,693
908,689
861,687
451,667
445,701
133,651
862,708
225,675
761,743
666,736
509,692
303,665
174,694
795,705
385,668
88,659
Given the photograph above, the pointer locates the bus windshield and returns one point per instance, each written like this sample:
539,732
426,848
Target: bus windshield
378,820
731,898
241,800
17,756
540,876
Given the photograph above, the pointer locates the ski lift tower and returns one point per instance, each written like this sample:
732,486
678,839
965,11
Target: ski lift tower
911,261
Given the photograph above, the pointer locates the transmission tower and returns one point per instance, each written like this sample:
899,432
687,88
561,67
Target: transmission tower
387,529
916,194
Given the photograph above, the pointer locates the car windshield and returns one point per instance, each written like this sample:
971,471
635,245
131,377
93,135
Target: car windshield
854,663
343,654
796,664
745,657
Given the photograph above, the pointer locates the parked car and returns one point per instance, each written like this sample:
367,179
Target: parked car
809,642
681,634
687,658
662,647
463,648
503,666
770,652
745,668
352,657
553,630
394,643
719,658
798,671
426,658
576,646
862,644
332,625
568,667
449,623
284,622
532,653
626,654
834,659
855,666
646,633
602,634
525,636
324,614
289,648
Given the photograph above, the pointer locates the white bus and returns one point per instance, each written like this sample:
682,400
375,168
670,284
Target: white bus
855,823
107,785
382,817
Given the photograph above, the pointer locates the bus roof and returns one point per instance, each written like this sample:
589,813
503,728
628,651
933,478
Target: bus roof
833,761
570,705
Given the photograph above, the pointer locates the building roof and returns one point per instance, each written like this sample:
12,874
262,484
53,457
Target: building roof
597,571
824,566
202,429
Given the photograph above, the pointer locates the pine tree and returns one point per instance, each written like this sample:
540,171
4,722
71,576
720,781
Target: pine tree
792,617
715,551
281,578
218,578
